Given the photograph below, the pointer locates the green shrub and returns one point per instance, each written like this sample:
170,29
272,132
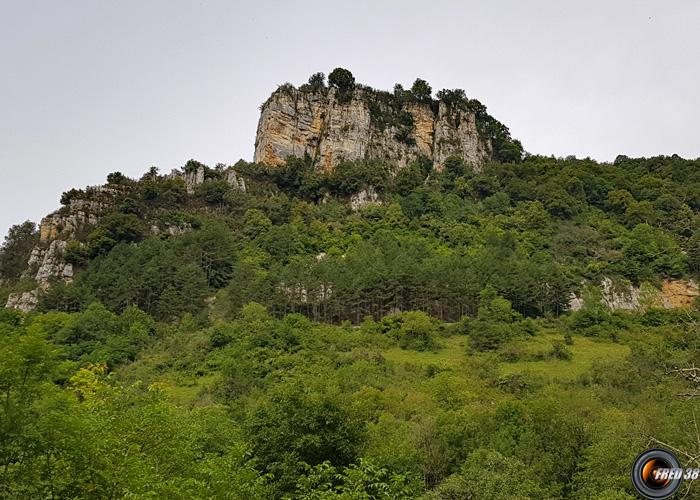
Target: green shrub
213,191
417,331
559,351
488,336
343,80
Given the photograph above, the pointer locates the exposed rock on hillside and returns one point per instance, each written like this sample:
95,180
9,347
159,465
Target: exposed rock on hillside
316,123
679,293
47,258
625,296
82,211
49,263
364,198
24,302
196,176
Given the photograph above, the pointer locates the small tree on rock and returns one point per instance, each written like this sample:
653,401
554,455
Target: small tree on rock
421,90
342,79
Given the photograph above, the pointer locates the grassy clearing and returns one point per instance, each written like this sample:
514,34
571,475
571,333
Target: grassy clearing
584,352
452,354
195,391
195,387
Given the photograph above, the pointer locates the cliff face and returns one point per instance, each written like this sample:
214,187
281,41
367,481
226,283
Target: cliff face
318,124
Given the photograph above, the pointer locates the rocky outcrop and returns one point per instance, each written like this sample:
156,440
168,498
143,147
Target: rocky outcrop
197,176
49,263
192,178
235,180
679,293
171,229
24,301
456,135
625,296
363,198
299,123
66,222
620,295
47,259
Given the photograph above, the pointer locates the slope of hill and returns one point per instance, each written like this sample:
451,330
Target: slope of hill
501,326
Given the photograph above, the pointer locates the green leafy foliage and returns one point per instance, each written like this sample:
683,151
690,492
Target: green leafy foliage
421,90
16,248
273,408
413,330
310,420
278,343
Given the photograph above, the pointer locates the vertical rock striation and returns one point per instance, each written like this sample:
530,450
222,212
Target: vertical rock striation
364,126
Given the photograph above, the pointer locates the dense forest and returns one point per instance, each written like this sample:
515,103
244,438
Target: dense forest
535,231
271,338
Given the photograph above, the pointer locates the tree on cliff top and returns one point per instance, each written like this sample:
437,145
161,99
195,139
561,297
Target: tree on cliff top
421,90
342,79
317,81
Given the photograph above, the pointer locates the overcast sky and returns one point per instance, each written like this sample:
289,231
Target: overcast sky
90,87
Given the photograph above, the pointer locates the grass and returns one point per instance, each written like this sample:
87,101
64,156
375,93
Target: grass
585,352
452,353
191,392
189,379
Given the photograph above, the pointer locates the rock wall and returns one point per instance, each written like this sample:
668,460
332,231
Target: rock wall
25,302
625,296
679,293
298,123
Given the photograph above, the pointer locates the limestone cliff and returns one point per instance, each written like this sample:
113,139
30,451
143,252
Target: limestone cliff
622,295
364,125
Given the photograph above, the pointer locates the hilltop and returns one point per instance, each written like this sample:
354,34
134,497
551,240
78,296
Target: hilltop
347,121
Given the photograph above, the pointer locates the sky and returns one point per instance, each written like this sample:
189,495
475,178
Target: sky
91,87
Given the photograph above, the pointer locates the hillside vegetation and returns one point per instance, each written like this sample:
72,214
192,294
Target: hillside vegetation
274,342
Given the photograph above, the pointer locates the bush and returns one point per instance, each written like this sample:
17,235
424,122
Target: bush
517,383
694,252
317,81
76,253
213,191
71,194
489,474
116,178
362,480
417,331
488,336
303,420
112,229
16,248
559,351
511,352
421,90
455,97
